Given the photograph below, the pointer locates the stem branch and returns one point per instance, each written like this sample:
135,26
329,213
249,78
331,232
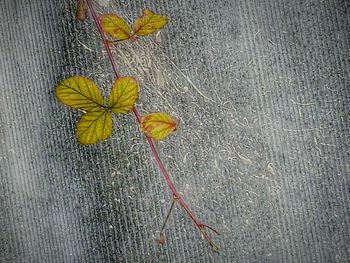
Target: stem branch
161,234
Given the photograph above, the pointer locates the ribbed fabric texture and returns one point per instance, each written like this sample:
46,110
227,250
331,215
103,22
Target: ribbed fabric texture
261,90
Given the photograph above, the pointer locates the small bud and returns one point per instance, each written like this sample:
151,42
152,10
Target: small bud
161,239
81,12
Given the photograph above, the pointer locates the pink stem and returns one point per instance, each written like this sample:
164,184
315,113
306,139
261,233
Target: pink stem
138,117
150,141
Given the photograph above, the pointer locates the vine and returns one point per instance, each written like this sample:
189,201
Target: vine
96,122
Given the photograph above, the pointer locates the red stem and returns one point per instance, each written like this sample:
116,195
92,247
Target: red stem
150,141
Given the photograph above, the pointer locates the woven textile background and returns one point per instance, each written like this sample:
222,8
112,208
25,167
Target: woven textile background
261,89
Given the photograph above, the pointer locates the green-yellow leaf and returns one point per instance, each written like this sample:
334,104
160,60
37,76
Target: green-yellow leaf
123,95
80,92
94,126
149,23
157,125
115,26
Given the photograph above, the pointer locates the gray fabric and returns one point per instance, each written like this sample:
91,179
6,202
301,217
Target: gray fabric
261,89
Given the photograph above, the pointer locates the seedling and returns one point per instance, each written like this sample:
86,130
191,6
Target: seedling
96,122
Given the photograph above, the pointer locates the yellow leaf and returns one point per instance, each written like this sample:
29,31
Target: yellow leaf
115,26
80,92
157,125
94,126
123,95
149,23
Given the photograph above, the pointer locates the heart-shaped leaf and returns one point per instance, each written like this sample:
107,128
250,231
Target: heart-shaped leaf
80,92
123,95
94,126
149,23
157,125
115,26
